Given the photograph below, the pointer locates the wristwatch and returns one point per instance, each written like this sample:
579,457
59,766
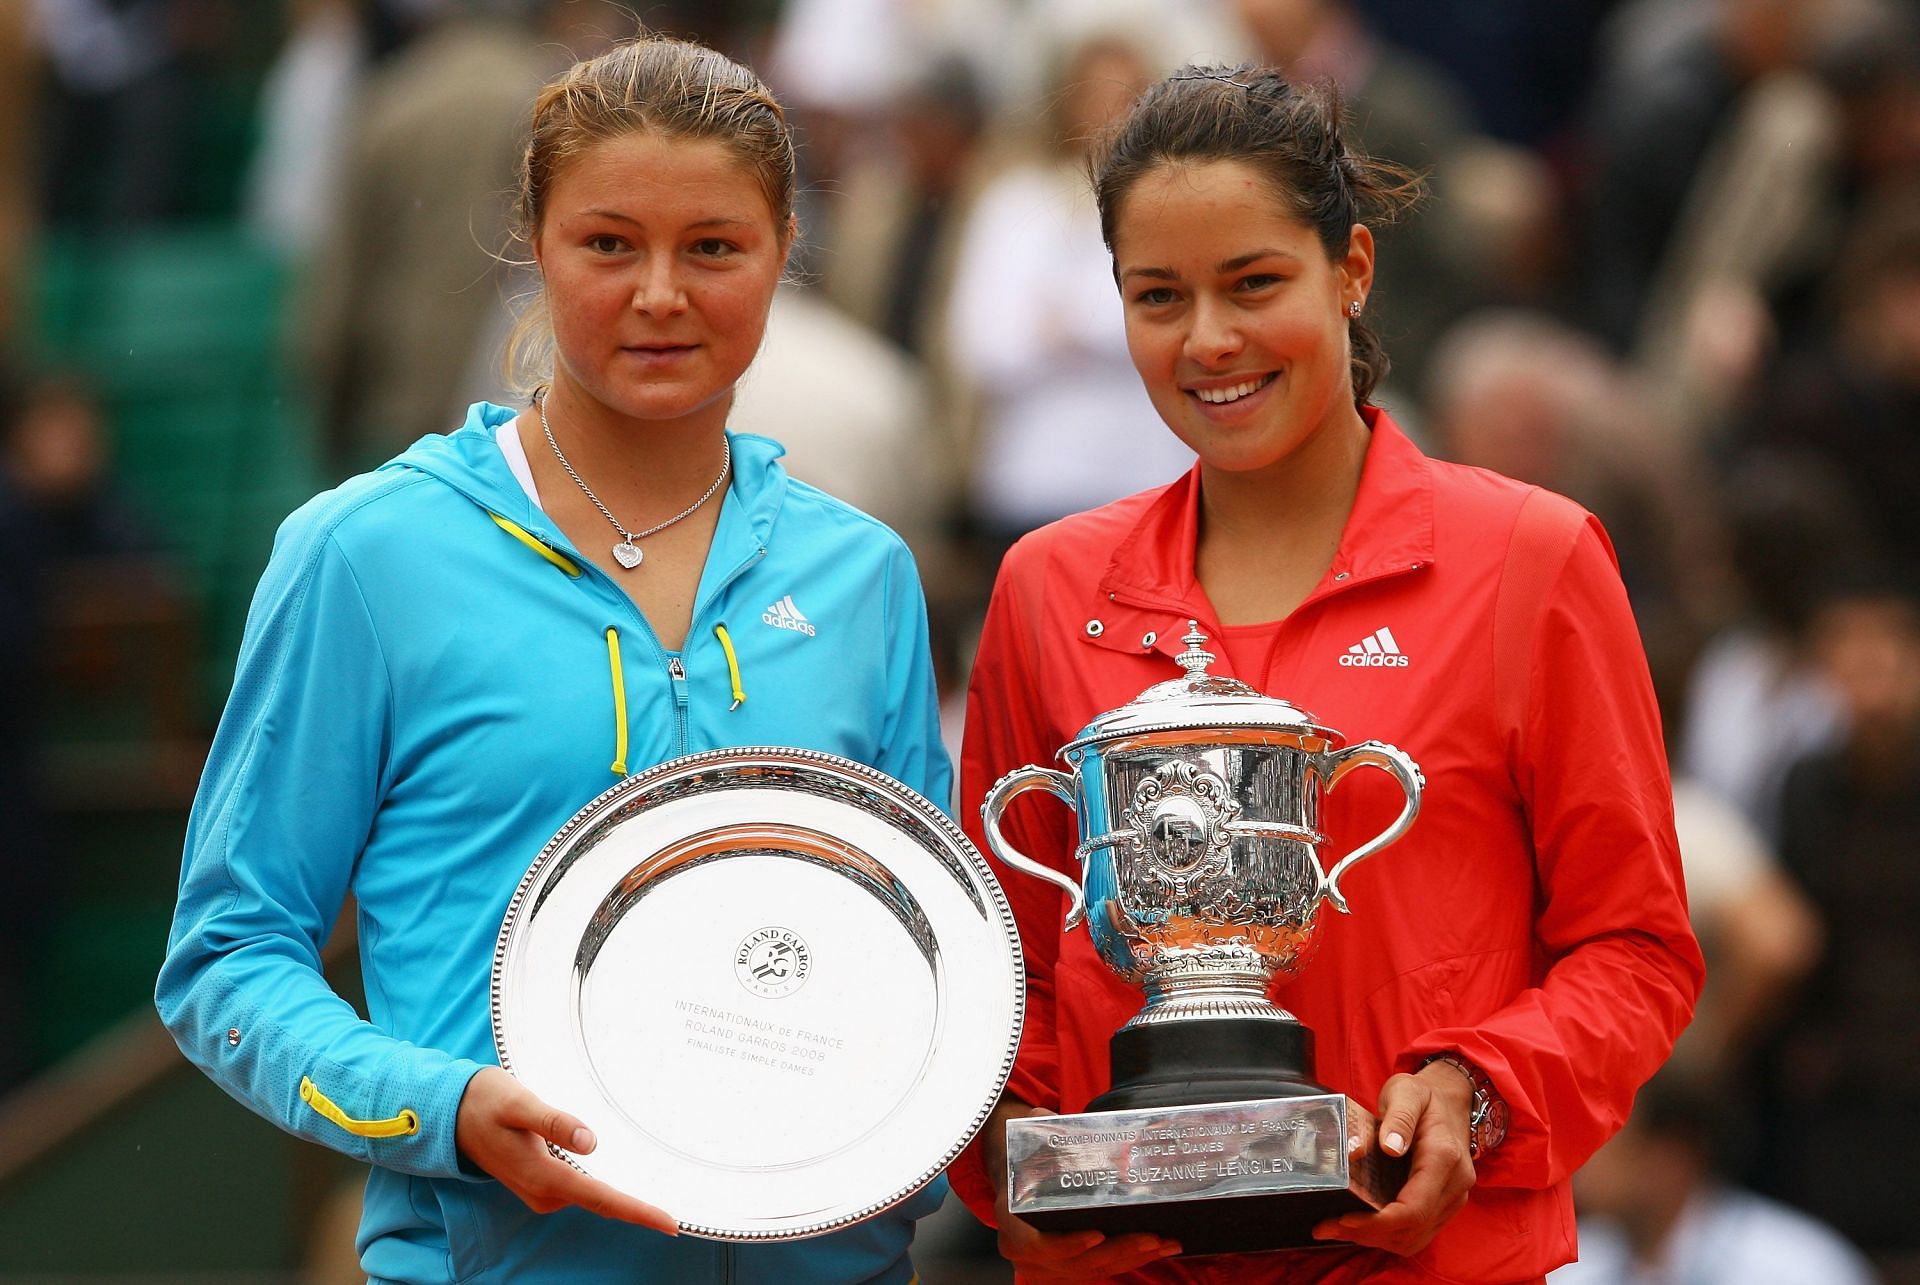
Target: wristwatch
1487,1124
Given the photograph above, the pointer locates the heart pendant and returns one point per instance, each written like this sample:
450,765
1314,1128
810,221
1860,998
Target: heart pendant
627,554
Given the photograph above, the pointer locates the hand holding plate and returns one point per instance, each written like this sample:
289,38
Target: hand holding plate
504,1129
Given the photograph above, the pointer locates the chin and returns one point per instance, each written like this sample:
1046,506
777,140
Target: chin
664,404
1239,461
1233,450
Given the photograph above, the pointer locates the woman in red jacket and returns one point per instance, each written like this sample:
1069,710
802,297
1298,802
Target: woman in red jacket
1523,957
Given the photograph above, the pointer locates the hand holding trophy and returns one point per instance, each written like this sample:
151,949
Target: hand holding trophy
1198,806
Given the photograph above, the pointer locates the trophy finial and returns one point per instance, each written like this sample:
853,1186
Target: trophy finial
1195,658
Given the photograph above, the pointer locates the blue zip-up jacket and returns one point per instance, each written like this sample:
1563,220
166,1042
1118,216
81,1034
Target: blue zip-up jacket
431,683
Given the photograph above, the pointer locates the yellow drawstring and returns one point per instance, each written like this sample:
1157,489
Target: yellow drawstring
733,667
525,537
407,1122
619,703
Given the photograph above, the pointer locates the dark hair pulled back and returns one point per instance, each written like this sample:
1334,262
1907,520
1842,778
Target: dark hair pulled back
1294,136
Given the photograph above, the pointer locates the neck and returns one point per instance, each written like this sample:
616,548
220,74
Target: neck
644,470
1299,496
1268,536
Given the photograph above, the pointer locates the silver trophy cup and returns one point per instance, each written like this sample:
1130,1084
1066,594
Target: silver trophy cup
1200,882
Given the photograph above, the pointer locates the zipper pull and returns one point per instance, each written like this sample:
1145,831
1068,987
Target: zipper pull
678,673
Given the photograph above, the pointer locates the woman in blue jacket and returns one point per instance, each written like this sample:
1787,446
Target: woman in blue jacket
449,656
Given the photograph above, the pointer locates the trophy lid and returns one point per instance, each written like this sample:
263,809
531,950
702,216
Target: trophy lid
1199,702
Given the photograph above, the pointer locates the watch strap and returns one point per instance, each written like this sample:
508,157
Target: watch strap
1487,1122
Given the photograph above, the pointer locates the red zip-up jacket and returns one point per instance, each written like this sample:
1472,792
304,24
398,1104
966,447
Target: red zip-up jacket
1533,920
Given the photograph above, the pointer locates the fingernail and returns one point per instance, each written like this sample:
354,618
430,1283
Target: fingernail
1395,1143
582,1141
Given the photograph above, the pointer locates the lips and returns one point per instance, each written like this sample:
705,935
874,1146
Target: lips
1227,394
659,355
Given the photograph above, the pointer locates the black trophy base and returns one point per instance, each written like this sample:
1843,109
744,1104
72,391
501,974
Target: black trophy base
1218,1225
1229,1059
1213,1135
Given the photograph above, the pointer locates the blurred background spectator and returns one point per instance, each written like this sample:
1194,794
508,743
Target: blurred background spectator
1755,703
1670,267
1848,399
1033,337
884,251
1655,1209
1842,1066
306,102
83,605
1678,76
411,265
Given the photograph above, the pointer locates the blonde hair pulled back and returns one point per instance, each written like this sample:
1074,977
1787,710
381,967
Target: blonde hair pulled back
657,84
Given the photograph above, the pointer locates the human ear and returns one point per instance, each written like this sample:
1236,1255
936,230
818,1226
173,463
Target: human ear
1356,268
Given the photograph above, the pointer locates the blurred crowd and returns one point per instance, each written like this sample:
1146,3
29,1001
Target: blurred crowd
1670,266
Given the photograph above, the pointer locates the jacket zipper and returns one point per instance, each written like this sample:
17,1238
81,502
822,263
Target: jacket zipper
677,672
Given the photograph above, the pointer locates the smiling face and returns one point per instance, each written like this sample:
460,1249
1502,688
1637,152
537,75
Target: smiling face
1236,319
660,256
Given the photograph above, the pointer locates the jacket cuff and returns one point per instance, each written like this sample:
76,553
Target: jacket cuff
1499,1165
431,1084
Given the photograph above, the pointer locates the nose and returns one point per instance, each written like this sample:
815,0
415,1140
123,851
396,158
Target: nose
1214,337
658,292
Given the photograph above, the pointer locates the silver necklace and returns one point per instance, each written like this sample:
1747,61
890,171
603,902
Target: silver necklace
627,552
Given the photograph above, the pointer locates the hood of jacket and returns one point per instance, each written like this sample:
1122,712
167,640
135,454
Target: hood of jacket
470,462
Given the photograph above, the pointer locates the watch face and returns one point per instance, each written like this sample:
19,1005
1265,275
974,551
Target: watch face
1493,1127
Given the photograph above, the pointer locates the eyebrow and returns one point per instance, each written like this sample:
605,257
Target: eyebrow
1234,264
1240,261
718,221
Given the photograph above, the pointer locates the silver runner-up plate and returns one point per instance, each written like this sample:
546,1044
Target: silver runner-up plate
782,988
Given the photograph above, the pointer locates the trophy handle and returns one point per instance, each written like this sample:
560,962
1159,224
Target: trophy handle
1018,782
1404,770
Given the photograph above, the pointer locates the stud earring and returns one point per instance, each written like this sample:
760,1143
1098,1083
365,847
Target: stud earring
1353,310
